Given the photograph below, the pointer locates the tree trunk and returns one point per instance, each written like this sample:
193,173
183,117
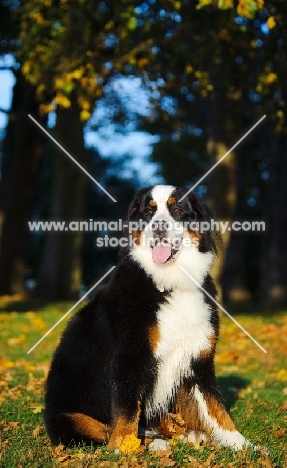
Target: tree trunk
221,182
273,277
22,150
233,284
60,271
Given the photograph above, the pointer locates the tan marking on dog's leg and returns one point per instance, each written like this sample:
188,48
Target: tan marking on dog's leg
89,427
218,412
121,428
217,418
154,337
187,406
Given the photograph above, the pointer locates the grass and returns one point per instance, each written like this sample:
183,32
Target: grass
254,385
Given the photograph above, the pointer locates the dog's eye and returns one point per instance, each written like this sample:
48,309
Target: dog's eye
177,211
148,212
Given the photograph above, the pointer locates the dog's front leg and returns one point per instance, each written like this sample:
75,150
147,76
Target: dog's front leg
211,408
123,425
127,384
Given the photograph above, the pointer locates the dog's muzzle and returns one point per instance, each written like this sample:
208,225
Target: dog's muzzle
164,245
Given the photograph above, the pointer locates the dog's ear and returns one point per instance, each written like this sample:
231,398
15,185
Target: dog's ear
202,213
137,204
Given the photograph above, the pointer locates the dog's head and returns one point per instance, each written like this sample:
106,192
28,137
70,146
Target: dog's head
166,228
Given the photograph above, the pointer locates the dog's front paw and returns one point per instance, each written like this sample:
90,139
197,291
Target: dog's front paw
231,439
127,444
196,437
114,443
158,444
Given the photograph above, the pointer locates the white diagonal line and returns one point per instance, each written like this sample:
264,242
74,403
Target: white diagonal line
72,308
221,159
223,310
71,157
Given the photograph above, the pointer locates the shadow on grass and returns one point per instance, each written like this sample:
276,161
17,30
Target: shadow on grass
34,305
230,386
254,309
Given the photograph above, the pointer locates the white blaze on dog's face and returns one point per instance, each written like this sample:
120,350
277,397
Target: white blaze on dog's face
164,238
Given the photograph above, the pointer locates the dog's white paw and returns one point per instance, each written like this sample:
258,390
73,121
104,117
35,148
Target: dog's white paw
196,437
158,444
232,439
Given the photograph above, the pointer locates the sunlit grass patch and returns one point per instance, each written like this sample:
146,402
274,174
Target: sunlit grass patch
254,385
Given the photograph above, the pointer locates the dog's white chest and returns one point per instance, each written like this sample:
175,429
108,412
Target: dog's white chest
184,329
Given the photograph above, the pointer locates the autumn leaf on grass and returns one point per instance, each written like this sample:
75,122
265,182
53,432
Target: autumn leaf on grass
162,453
11,425
17,340
36,432
37,408
58,451
283,407
130,444
282,374
165,461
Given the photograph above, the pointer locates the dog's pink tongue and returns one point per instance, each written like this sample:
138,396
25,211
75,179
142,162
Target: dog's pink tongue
161,253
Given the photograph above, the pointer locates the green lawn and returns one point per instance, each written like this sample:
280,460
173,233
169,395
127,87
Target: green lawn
254,385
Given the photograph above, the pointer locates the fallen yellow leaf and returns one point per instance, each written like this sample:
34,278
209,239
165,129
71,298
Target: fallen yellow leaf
130,444
38,409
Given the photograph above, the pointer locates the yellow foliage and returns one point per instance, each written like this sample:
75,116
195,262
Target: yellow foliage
203,3
132,61
132,24
271,77
197,446
26,67
143,62
282,374
189,69
62,100
130,444
85,115
109,25
247,8
77,74
45,108
85,81
225,4
271,23
259,88
59,83
37,17
86,105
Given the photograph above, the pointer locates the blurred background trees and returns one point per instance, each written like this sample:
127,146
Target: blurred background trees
205,72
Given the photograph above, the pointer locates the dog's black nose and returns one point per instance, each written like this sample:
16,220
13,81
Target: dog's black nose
159,228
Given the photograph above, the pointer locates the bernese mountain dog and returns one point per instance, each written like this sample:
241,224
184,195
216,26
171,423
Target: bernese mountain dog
141,353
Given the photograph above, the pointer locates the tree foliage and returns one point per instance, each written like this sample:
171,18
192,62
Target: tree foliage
76,45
